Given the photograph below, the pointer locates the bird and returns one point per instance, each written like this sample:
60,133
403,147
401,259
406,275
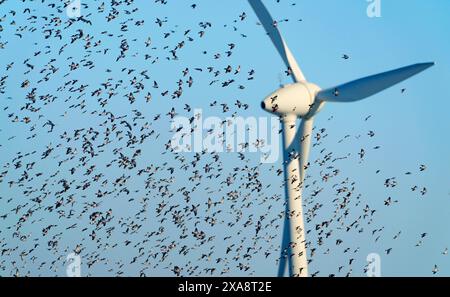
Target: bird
435,269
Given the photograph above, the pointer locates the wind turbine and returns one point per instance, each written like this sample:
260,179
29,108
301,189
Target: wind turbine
304,100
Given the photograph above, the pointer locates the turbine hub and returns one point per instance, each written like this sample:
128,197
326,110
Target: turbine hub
297,98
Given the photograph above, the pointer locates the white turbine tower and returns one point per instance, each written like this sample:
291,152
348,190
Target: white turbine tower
304,100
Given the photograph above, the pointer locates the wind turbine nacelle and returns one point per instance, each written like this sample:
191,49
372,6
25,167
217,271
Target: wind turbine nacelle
297,98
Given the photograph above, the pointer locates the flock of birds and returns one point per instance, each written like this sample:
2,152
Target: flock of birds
88,167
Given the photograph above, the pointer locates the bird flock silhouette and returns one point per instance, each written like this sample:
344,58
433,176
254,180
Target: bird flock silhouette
87,166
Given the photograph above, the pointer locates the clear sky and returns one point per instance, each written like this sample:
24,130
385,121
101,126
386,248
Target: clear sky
411,128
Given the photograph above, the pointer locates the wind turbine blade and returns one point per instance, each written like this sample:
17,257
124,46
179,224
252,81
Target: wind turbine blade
368,86
271,28
305,133
284,250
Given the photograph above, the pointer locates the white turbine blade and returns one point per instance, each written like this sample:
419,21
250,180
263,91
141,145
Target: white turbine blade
284,250
368,86
305,132
274,34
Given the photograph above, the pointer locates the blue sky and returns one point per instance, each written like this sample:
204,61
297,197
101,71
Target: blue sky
410,128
